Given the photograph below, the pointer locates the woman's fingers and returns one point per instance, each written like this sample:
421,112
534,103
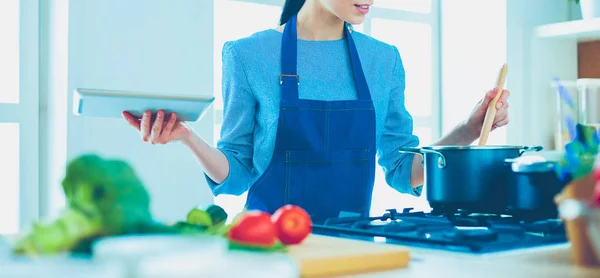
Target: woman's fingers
145,126
501,118
131,120
503,99
157,131
501,114
157,126
166,133
501,123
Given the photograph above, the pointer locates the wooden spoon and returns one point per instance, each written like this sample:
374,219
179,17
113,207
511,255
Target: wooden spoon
491,110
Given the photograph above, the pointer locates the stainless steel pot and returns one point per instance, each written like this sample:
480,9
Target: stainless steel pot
532,185
471,178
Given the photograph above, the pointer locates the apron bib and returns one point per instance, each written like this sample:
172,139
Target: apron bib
324,156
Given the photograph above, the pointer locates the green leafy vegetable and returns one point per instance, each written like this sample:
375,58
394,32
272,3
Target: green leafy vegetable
104,198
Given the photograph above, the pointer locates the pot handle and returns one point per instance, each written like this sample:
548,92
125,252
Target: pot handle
530,149
421,151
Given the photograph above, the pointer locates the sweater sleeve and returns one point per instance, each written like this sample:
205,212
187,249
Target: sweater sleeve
398,132
236,141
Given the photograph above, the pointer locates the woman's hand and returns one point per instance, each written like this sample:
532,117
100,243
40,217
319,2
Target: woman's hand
466,132
477,117
161,130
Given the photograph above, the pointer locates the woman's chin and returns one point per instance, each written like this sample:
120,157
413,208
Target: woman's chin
355,20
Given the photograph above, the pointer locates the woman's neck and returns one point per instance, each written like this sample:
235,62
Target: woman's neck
318,24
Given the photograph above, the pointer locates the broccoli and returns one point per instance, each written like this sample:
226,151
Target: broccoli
109,190
104,198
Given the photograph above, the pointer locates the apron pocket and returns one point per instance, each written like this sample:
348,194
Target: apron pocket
267,192
325,183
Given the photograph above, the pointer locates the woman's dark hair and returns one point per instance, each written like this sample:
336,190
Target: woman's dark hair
290,8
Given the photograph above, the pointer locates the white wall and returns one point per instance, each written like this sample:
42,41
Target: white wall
141,45
529,76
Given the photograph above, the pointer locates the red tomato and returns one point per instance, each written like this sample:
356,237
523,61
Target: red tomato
293,224
596,172
254,228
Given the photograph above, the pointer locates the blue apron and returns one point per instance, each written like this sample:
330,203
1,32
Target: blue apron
324,156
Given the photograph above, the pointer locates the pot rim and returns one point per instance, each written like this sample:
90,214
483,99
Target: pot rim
471,147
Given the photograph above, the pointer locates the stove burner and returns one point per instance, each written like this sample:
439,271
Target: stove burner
544,227
461,231
399,226
478,234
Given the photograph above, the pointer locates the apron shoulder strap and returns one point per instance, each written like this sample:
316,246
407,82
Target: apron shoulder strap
289,78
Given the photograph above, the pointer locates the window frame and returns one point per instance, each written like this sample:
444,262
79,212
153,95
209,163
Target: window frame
26,112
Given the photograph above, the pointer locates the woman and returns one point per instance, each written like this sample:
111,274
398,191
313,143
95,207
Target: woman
307,107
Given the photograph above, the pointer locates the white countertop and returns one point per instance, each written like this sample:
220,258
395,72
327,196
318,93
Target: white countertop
552,261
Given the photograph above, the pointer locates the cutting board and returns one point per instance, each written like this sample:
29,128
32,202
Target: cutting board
320,256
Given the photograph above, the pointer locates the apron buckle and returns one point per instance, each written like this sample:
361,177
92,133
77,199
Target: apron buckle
281,76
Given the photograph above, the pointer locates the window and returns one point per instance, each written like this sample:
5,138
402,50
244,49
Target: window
9,127
9,178
413,40
471,64
9,51
410,25
18,114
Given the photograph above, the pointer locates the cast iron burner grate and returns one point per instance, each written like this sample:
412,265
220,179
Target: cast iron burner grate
461,232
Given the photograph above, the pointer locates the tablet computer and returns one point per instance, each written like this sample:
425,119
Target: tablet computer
111,103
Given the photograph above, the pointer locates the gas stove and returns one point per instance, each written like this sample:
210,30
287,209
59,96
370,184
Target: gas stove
462,232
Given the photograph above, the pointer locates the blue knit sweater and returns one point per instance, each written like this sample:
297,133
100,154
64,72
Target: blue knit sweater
251,95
